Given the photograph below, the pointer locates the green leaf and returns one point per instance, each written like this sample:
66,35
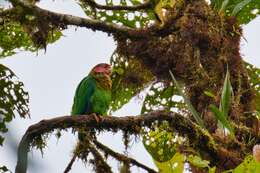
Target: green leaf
239,7
187,101
249,165
129,77
13,37
197,161
224,5
221,118
13,99
226,96
244,10
162,96
210,94
216,4
212,170
160,142
176,164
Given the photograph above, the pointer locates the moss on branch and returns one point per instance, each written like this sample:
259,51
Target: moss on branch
200,139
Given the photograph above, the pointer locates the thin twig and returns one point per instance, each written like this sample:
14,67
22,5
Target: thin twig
122,157
143,6
68,168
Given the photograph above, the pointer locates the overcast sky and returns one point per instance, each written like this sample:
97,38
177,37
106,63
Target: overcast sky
51,79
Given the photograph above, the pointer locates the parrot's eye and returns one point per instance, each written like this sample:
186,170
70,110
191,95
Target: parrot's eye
107,66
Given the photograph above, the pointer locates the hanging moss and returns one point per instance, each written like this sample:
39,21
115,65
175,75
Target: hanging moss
198,52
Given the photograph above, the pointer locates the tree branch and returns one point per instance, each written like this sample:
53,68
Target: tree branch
59,19
122,157
94,4
68,168
99,163
132,124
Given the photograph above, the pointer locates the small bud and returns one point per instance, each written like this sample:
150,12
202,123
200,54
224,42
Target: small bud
256,152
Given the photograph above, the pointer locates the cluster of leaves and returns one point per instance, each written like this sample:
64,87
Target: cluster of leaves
244,10
221,113
13,99
13,37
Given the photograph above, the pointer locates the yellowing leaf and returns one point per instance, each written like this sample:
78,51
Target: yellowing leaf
197,161
175,165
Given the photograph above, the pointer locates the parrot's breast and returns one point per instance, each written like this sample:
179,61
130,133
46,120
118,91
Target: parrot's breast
100,101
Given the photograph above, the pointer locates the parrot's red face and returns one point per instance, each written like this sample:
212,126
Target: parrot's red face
102,68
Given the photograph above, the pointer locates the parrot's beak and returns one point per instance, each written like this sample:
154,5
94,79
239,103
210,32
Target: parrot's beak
110,71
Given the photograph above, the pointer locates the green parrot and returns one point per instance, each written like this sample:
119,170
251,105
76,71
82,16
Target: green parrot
93,94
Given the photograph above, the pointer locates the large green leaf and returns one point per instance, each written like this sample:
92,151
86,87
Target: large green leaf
162,96
129,77
159,141
222,118
193,111
226,95
13,99
174,165
249,165
244,10
13,37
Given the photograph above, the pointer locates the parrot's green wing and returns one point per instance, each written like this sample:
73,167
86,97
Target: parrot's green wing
82,98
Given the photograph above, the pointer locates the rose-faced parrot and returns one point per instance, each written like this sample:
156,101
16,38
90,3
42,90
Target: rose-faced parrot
93,94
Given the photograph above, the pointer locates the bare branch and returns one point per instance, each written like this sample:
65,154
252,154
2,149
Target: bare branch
94,4
122,157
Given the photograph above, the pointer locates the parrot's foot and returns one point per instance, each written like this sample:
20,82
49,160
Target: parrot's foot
97,117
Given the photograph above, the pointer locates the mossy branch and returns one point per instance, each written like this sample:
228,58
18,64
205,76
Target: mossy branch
59,19
100,165
122,157
133,124
200,139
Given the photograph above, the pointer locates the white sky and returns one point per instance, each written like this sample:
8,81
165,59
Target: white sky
51,79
